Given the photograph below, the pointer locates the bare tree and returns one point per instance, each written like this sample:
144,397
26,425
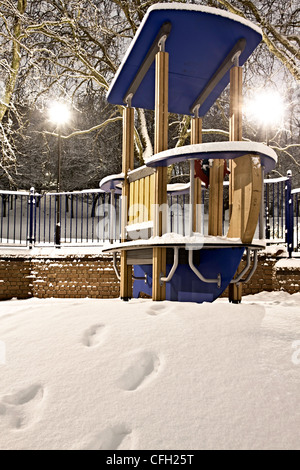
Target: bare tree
71,49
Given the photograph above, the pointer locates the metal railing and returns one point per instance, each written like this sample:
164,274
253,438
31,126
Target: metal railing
88,217
30,218
295,201
84,218
275,208
14,217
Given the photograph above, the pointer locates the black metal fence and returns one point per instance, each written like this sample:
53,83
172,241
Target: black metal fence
14,217
93,217
29,218
295,201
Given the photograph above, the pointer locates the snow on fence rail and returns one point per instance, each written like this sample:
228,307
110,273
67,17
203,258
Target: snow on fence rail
87,217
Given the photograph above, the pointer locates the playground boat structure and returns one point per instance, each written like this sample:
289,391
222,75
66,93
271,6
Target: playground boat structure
180,60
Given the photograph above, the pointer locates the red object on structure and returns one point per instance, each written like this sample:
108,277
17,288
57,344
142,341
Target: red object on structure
200,173
226,169
202,170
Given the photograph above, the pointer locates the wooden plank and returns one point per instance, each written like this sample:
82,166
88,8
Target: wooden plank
127,164
196,138
235,134
159,268
196,131
135,202
245,182
235,120
147,199
139,173
128,140
160,176
152,196
141,199
161,101
140,256
245,178
256,200
126,278
247,198
131,199
160,201
215,217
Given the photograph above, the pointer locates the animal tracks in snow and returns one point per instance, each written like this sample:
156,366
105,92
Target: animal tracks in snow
93,335
111,438
145,365
21,409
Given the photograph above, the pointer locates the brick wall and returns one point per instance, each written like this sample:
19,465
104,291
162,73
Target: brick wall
15,278
94,276
46,277
287,276
264,278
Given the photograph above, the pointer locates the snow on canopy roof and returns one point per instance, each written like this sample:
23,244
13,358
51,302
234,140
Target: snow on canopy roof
216,150
199,41
112,182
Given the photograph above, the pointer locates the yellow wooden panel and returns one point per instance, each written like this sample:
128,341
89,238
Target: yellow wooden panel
215,221
141,199
135,201
131,201
152,193
147,199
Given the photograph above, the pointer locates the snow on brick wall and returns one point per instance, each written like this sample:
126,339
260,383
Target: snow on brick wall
288,275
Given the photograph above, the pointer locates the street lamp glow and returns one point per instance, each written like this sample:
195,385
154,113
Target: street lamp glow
59,113
266,108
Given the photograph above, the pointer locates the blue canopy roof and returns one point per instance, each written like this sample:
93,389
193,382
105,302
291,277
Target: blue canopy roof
199,41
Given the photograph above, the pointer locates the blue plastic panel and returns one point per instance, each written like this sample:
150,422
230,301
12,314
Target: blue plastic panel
200,39
185,285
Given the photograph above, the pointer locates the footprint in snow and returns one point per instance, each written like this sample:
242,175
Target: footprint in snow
93,336
21,409
144,366
111,438
156,308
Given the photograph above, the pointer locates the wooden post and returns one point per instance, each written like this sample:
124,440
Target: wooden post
196,138
245,185
245,180
235,134
215,212
235,123
215,217
127,163
160,190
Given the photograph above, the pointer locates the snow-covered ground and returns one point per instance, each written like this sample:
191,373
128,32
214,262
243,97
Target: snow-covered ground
104,374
